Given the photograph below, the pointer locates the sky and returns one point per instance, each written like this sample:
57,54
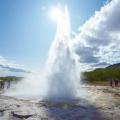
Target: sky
27,31
98,42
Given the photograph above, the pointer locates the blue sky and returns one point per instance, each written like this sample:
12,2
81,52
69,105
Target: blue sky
26,30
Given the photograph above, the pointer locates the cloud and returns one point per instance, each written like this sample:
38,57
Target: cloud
99,38
86,54
7,66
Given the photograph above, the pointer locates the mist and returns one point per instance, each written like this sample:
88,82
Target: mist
60,78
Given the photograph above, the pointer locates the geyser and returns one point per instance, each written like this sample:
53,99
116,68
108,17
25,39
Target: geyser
60,77
61,63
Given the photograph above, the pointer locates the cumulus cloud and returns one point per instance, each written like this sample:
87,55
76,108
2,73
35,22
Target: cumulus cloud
98,42
7,66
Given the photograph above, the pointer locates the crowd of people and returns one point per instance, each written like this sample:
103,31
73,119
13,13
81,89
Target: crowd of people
4,84
114,83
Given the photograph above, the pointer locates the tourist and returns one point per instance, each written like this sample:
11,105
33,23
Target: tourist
111,83
116,82
2,84
8,85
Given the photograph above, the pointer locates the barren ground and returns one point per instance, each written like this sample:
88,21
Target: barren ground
103,103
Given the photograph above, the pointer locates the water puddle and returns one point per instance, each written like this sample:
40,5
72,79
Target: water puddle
2,113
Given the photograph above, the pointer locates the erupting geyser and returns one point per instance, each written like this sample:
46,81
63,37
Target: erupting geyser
61,76
63,71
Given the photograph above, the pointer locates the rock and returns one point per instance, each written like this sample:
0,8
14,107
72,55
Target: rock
2,113
21,115
18,105
2,110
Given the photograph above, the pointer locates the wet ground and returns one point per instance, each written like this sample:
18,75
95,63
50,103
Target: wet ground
102,103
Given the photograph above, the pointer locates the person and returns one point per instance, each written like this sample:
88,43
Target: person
2,84
111,83
116,82
8,86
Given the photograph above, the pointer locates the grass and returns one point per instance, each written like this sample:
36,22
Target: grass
102,75
10,78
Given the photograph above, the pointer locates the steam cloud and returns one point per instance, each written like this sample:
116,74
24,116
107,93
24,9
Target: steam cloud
60,77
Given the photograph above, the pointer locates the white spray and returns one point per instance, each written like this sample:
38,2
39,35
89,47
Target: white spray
59,79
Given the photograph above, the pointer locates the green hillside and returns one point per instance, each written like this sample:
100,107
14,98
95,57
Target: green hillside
100,75
10,78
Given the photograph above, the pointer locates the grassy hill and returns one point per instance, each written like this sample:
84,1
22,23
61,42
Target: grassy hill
10,78
103,75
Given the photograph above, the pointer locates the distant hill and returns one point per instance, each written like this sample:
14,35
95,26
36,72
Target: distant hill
114,66
10,78
103,74
117,65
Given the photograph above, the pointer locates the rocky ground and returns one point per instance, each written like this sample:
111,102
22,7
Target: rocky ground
102,103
